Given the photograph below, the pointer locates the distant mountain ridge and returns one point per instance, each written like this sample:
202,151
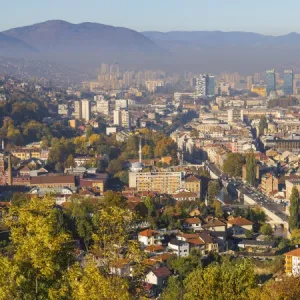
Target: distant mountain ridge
86,45
13,45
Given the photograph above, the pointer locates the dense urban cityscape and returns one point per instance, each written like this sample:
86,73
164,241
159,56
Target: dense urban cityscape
128,170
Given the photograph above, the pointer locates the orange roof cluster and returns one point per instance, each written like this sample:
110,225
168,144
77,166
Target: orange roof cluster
192,221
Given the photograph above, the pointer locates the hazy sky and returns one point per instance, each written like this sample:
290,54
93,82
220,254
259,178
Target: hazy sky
264,16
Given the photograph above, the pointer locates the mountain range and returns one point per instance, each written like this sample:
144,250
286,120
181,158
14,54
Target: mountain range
87,44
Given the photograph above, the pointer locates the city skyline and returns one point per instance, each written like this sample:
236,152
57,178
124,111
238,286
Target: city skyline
169,15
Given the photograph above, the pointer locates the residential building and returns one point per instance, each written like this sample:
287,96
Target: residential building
270,81
234,115
158,276
249,82
77,110
154,85
292,262
192,223
269,183
63,109
193,184
161,182
150,237
103,107
288,84
86,110
122,118
180,248
121,104
289,184
202,86
239,226
184,196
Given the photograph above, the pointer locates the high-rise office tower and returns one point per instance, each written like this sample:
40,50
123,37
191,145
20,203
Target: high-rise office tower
201,86
270,81
288,85
86,109
104,69
211,86
115,68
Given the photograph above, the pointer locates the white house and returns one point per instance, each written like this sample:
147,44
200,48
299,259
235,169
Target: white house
180,248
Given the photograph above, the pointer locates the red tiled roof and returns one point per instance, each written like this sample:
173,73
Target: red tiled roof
295,252
154,248
192,221
148,232
161,272
240,221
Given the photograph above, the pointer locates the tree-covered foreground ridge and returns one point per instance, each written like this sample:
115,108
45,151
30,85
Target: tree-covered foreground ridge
70,252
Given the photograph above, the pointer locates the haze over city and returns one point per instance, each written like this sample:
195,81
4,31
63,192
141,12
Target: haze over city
149,150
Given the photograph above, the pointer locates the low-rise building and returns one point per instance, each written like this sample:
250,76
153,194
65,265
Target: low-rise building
239,226
150,237
180,248
292,262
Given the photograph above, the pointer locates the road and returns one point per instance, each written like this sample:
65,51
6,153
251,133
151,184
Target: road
260,198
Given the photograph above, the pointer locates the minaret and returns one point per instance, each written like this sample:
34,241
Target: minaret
9,171
140,150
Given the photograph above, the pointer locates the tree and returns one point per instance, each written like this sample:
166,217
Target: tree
248,234
288,288
113,199
150,205
251,168
263,124
174,290
218,208
295,237
228,281
42,250
294,219
266,229
70,162
233,164
89,283
147,152
213,189
115,166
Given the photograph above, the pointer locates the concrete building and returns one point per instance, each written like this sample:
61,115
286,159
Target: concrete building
150,237
269,183
103,107
77,110
234,115
63,109
202,86
180,248
86,109
270,81
122,118
292,262
261,90
288,84
289,184
154,85
161,182
121,104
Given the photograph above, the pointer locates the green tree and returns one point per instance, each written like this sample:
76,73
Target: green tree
294,219
213,189
233,164
266,229
251,168
174,290
228,281
295,237
70,162
263,124
113,199
42,250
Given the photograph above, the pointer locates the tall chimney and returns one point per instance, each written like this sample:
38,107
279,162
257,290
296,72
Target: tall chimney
140,150
9,171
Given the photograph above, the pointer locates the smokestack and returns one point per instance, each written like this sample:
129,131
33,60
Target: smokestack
140,150
9,171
